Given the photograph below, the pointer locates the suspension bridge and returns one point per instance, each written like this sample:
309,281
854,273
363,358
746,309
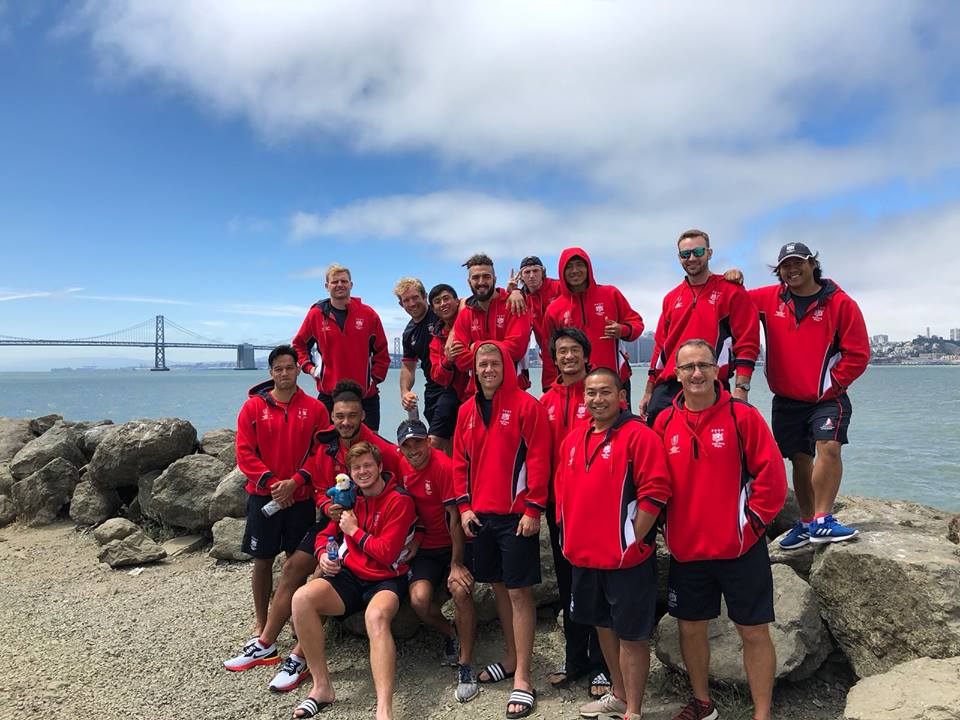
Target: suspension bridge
152,333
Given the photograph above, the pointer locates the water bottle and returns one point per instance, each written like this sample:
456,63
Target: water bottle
333,549
271,508
414,412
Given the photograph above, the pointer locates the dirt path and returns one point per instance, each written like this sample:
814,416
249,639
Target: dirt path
84,641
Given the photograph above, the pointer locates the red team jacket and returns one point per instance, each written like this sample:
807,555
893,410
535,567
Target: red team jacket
441,371
430,487
600,485
473,325
719,312
387,523
819,357
276,441
330,458
566,412
537,303
358,352
502,468
728,479
588,310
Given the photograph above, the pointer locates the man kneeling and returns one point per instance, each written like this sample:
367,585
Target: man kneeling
367,574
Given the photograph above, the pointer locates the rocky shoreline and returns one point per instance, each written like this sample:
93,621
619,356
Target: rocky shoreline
873,616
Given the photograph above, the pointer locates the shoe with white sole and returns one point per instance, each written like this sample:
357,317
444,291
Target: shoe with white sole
253,654
293,672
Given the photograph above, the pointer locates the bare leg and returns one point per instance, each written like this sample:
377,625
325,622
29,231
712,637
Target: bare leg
296,570
610,647
827,472
635,666
760,661
695,649
524,626
311,603
803,483
262,583
505,611
466,620
383,651
427,609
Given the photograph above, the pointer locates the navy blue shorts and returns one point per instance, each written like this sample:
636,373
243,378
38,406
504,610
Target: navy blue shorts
357,593
432,564
624,600
797,425
444,418
500,555
266,537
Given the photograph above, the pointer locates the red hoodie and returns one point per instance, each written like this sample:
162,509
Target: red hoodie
819,357
430,486
728,478
275,441
358,352
441,371
503,467
474,325
719,312
589,310
387,523
537,302
566,412
600,484
331,458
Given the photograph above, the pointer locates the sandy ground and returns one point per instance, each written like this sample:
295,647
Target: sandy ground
85,641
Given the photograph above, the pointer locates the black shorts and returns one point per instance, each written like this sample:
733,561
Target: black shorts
430,397
357,594
661,399
623,600
500,555
309,542
797,425
432,564
746,583
444,420
265,537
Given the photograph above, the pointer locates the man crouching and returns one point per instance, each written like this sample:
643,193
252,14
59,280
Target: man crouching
368,573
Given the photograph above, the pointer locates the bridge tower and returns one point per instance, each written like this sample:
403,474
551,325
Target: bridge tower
159,348
245,357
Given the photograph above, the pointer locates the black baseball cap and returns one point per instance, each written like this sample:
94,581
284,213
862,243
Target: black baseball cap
411,429
794,250
530,260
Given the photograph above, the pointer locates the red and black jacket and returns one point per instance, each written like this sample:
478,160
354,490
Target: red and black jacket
358,352
387,523
537,302
719,312
589,310
601,483
503,467
331,458
275,441
430,487
728,478
566,412
442,371
820,356
475,325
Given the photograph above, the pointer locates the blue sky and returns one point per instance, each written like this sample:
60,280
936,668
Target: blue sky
206,160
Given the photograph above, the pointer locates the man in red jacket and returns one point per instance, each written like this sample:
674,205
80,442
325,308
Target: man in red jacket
816,346
445,303
369,574
728,484
703,306
611,485
275,450
340,339
501,465
601,311
538,292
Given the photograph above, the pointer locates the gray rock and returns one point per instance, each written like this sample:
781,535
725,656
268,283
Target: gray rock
137,447
6,478
404,626
230,497
8,510
786,518
214,441
114,529
228,456
134,549
183,544
92,505
484,603
60,441
227,540
800,559
145,493
94,435
799,636
14,434
893,593
40,496
547,592
953,529
182,494
921,689
43,423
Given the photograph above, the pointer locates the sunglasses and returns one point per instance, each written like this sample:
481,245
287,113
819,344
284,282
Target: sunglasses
689,368
696,252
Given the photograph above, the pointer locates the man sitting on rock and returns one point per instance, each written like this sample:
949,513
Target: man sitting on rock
728,484
368,573
275,450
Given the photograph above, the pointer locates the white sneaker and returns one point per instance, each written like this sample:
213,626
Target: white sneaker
293,672
609,704
253,654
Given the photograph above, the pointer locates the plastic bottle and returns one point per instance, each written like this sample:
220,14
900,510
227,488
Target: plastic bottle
271,508
414,412
333,549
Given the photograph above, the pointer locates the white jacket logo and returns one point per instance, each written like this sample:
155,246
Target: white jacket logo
605,453
716,437
581,411
780,311
818,315
505,417
573,452
501,319
551,413
598,309
674,444
359,324
714,296
302,413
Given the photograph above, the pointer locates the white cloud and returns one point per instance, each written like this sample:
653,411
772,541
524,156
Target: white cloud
7,295
265,310
134,299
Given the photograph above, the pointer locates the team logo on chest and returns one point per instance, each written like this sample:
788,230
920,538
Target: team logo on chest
679,304
598,309
818,315
605,453
302,413
358,324
551,413
566,317
376,521
501,319
714,296
581,411
716,437
265,415
324,326
427,487
674,445
573,452
781,311
505,417
475,325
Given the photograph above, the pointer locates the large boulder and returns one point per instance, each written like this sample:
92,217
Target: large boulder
114,529
230,497
787,517
799,636
800,559
40,496
14,434
182,494
6,478
228,539
953,528
60,441
134,549
8,510
137,447
145,493
892,594
91,505
214,441
921,689
43,423
93,436
228,456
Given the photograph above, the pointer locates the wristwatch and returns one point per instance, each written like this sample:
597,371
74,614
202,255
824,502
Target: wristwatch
744,386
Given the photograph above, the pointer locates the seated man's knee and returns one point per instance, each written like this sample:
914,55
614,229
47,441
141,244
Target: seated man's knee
377,618
460,594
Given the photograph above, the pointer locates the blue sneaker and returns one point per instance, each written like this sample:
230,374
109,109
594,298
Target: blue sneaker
796,538
827,530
